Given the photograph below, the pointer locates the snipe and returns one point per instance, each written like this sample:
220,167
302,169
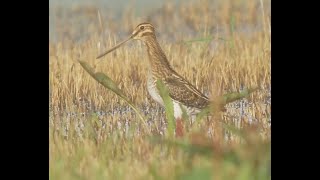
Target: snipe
180,90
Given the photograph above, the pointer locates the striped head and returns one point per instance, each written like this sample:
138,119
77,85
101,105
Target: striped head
141,32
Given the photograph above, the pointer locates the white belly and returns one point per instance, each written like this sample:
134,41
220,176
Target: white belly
153,91
177,110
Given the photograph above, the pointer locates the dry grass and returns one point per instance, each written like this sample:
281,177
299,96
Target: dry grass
95,135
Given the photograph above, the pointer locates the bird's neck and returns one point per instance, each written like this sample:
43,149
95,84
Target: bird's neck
160,66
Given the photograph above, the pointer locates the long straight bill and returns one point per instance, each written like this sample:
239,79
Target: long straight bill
115,47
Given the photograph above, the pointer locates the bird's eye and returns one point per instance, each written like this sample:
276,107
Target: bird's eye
141,27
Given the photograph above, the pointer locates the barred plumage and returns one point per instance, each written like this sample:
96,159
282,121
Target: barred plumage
182,92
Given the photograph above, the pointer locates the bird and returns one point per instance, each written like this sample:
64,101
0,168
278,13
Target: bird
182,93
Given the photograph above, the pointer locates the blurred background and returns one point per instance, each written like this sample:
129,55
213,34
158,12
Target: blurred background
76,21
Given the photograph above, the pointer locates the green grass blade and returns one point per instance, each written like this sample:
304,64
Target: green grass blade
184,113
231,97
109,84
164,93
224,100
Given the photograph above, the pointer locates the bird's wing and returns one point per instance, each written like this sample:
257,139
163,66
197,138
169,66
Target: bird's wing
184,92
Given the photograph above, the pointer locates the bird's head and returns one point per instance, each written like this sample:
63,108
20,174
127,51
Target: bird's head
141,32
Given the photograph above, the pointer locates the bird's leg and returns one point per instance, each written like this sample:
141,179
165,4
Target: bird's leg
179,127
